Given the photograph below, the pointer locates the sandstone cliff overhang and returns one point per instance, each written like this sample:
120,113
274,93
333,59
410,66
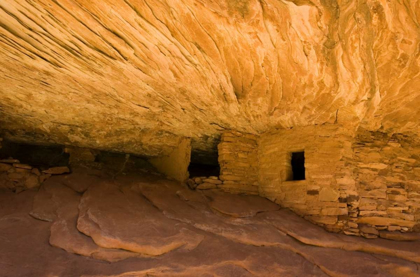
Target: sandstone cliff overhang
137,76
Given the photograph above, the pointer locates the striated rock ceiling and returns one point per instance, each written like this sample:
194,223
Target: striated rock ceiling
134,76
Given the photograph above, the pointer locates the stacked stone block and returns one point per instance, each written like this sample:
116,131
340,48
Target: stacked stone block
388,182
204,183
238,159
18,177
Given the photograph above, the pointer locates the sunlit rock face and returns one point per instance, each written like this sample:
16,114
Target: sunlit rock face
135,76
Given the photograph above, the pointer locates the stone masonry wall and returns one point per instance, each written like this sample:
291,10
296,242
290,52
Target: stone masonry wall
359,182
328,193
387,175
238,159
18,177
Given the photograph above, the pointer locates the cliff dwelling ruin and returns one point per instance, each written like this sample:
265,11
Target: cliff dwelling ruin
209,138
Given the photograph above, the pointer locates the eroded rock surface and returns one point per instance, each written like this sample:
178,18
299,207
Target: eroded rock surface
146,225
65,235
245,206
50,198
105,210
289,223
152,71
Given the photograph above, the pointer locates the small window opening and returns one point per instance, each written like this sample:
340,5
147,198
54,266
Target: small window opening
298,166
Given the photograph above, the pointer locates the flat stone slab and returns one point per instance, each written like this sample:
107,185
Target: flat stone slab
120,218
244,206
57,170
168,230
51,195
191,207
310,234
65,235
81,179
57,203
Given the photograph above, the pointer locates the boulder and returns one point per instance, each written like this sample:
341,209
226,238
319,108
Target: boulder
36,171
198,180
32,182
191,184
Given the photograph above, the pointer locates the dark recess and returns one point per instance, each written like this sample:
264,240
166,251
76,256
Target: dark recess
200,170
298,166
120,161
203,164
35,155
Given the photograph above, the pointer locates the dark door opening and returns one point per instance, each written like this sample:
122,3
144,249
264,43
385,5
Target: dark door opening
204,164
298,166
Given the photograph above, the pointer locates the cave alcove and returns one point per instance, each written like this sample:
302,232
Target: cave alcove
40,156
122,162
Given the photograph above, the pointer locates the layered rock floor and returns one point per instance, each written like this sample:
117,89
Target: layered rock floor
88,224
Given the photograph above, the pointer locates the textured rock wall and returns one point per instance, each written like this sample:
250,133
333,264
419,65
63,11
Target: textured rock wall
135,76
321,197
238,159
80,155
387,175
175,165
